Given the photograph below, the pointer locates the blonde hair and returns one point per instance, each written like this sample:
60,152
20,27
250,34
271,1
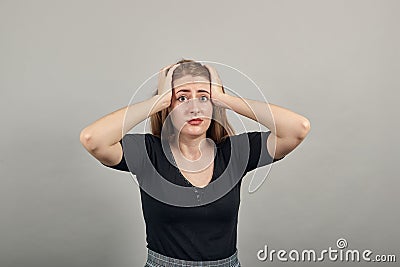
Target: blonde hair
219,129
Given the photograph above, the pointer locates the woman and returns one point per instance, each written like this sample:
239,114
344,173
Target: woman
194,148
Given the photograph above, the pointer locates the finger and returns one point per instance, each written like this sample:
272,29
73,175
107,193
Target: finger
167,67
172,68
163,72
210,68
161,81
168,80
215,80
171,72
162,77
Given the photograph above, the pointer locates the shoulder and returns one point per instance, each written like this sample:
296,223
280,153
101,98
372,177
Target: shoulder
245,138
135,137
136,144
242,144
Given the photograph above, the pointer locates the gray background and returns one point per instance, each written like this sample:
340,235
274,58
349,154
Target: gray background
65,64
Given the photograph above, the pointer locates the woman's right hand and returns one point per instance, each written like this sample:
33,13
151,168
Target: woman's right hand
164,87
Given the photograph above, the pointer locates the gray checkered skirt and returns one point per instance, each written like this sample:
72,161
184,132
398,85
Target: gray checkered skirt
155,259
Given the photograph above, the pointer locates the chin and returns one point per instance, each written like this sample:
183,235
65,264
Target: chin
195,132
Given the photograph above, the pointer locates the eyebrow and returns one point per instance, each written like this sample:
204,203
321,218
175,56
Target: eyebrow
199,91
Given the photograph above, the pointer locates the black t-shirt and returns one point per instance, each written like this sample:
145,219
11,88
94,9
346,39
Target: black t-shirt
202,232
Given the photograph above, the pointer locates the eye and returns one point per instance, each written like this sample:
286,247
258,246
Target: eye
204,98
180,98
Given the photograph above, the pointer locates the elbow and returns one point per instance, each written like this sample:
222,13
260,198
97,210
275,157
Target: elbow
86,140
304,129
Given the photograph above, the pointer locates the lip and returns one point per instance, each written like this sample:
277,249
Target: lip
196,119
195,122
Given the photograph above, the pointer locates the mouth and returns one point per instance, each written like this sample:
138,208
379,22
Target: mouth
195,121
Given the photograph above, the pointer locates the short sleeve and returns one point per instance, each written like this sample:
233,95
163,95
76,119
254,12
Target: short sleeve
133,153
121,166
258,153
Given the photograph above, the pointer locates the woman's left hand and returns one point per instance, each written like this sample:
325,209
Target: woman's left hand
217,94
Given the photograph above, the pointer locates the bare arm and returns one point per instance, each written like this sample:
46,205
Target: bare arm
288,129
291,128
101,138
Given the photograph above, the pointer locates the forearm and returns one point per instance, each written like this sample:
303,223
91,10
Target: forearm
287,123
109,129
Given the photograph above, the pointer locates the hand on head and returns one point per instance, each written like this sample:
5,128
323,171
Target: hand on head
217,93
164,87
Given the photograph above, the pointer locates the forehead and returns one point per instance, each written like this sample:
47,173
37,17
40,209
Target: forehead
189,80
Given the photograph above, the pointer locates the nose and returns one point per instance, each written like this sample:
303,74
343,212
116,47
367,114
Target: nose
194,105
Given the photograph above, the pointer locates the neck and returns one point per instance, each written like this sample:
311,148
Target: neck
191,147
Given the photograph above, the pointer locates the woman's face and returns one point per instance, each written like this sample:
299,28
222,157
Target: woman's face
191,100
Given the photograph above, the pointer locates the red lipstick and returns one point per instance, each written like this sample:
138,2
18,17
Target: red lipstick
196,121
